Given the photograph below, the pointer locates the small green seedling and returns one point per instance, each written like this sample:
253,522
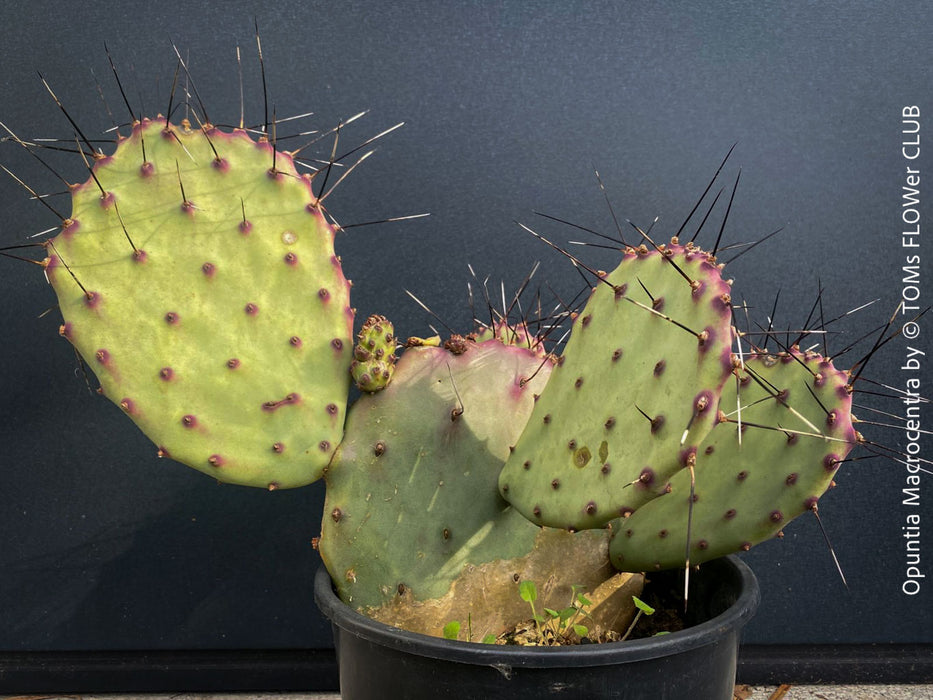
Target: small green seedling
643,609
557,626
568,618
452,632
529,593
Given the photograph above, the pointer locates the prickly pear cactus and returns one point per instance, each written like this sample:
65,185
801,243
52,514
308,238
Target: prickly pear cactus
633,394
411,494
796,427
197,277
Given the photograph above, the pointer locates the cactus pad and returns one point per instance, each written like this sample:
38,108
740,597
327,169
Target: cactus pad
411,494
197,278
796,428
633,394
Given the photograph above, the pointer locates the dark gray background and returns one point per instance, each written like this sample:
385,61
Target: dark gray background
508,108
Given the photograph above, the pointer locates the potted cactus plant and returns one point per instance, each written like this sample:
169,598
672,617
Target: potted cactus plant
657,437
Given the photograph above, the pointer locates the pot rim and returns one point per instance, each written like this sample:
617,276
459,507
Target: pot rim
704,634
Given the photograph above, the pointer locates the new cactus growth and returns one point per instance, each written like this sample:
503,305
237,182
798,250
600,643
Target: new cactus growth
197,277
374,354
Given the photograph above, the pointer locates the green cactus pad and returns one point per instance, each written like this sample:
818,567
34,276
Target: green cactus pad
437,435
374,355
646,360
792,441
203,291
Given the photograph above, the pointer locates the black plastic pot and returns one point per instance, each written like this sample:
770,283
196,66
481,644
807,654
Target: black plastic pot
377,662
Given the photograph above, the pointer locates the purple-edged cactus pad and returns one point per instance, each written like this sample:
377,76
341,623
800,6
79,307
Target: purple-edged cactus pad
197,278
633,394
794,410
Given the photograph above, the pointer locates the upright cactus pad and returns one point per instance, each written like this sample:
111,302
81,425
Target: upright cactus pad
197,278
633,394
411,494
796,426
